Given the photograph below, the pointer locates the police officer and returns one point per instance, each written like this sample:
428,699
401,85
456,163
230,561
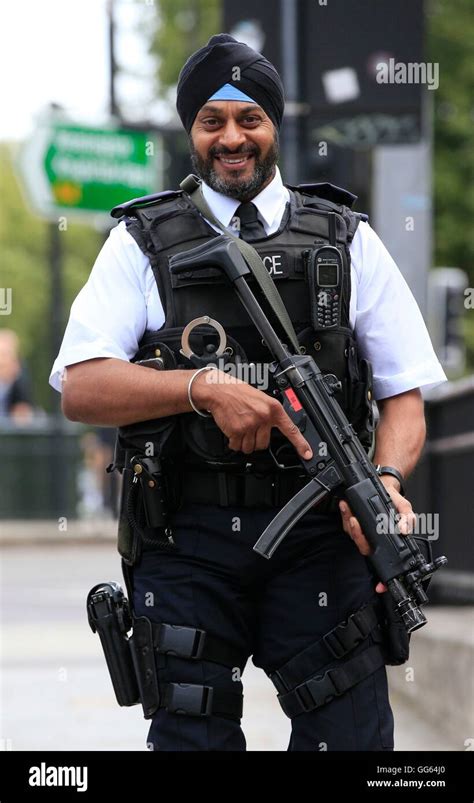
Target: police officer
204,602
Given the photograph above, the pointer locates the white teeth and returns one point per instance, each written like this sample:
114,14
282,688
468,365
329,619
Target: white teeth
233,161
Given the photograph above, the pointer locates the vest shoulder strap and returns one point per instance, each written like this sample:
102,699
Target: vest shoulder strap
329,198
328,192
129,207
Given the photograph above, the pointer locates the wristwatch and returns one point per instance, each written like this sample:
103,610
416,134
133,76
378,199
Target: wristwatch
394,472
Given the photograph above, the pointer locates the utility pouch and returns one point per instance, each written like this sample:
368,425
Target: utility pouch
108,614
147,495
396,646
396,640
364,405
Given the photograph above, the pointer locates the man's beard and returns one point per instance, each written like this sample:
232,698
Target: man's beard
235,187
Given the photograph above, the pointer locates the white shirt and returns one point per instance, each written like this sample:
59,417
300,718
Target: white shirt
120,301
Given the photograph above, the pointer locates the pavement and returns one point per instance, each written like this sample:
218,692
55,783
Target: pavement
54,687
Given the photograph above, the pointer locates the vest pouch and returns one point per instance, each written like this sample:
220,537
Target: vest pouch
363,405
327,347
149,438
396,640
396,645
183,225
158,349
208,443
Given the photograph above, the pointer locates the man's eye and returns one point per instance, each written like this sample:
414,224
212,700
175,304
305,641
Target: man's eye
211,121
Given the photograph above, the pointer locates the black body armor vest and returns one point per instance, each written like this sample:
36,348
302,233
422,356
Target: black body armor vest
169,223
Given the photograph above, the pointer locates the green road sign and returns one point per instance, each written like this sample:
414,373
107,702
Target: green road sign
68,168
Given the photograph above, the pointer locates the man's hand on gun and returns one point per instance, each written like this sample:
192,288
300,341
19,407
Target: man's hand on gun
245,414
352,527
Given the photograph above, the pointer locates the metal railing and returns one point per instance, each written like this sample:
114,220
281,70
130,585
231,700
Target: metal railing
443,484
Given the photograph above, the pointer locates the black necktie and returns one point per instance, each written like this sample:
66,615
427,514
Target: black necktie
251,227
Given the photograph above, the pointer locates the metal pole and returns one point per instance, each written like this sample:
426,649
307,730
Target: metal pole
59,469
113,107
291,81
56,296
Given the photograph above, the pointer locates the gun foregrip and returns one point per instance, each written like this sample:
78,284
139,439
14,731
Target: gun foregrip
390,551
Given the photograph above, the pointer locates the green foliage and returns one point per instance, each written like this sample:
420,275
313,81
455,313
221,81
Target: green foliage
25,268
451,44
185,26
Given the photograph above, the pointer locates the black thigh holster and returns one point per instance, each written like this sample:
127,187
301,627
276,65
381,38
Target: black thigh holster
109,616
132,660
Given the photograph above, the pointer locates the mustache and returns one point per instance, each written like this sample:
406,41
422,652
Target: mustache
227,152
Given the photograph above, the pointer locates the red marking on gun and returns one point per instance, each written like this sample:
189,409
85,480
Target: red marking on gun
293,399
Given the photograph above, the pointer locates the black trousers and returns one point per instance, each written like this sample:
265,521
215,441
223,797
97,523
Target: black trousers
269,609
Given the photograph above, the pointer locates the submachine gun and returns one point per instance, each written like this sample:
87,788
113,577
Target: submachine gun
308,397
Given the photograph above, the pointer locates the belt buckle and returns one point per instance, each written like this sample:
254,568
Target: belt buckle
188,698
184,642
305,698
325,689
278,682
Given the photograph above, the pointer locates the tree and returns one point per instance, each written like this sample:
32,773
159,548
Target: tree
451,44
24,240
184,26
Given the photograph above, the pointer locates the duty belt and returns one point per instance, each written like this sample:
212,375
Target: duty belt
227,489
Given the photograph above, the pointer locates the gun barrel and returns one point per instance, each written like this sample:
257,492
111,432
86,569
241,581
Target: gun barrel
412,615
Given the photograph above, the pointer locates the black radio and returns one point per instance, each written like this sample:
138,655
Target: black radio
325,281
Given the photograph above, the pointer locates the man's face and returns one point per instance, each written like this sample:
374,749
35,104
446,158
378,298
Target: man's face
234,148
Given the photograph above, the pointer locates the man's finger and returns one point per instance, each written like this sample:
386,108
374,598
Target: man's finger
346,512
263,439
248,443
358,536
407,517
407,522
235,444
291,431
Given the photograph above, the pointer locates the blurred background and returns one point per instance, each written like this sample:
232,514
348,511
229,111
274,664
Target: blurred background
88,120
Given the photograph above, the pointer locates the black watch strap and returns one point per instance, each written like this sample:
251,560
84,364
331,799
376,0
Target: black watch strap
394,472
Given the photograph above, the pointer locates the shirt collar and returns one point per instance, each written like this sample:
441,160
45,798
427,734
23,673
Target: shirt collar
268,201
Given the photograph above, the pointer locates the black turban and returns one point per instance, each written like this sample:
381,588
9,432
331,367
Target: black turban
212,66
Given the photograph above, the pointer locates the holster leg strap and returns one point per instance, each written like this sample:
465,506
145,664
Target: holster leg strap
195,645
321,689
200,701
150,639
341,640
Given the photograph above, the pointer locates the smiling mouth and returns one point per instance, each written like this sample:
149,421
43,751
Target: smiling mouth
235,161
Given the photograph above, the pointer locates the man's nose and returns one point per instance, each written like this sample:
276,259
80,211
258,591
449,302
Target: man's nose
232,136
